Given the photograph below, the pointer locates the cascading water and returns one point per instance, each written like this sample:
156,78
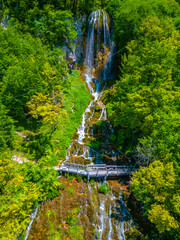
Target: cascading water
111,217
103,217
98,62
33,215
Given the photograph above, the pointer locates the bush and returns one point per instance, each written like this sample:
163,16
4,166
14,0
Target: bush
71,190
71,220
20,128
92,181
66,175
79,178
85,180
62,187
104,188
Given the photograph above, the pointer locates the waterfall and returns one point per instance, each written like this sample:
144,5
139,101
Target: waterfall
110,217
98,57
98,61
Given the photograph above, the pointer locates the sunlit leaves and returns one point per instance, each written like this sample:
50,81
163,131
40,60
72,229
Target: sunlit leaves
16,201
21,187
144,107
43,106
26,67
129,14
162,218
54,26
148,86
155,186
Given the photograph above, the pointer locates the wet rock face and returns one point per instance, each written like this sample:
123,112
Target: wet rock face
71,58
92,142
4,22
75,52
99,44
81,212
99,106
80,40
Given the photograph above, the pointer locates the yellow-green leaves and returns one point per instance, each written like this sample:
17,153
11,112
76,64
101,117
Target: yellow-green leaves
162,218
16,200
156,187
46,107
21,187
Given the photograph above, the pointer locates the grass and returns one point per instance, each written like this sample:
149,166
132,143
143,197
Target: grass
75,102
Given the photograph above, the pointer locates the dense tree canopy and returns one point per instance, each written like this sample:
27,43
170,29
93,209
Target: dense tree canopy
21,187
129,14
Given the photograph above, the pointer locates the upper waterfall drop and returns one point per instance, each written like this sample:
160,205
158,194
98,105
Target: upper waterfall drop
99,45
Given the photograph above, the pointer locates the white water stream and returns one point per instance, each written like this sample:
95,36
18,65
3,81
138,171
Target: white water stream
98,43
111,217
33,215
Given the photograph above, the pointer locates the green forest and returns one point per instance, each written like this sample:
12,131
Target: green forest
42,102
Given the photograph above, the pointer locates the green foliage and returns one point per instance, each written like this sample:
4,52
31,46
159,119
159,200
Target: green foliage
7,131
26,68
74,107
18,197
104,188
85,180
94,145
44,178
53,27
128,15
79,178
62,186
71,190
43,106
22,186
157,187
75,231
148,86
34,80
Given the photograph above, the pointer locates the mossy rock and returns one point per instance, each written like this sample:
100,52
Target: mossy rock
133,233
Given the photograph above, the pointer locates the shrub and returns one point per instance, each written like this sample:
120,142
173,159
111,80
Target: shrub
85,180
62,187
66,175
79,178
92,181
71,190
104,188
20,128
